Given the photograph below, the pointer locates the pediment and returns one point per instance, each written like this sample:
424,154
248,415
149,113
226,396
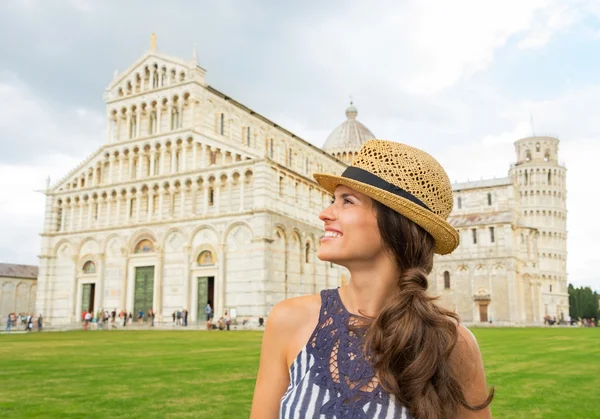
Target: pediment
169,70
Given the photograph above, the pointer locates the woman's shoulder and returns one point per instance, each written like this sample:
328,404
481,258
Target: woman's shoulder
294,311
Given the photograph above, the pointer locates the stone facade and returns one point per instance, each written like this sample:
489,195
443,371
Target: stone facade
18,286
511,264
194,198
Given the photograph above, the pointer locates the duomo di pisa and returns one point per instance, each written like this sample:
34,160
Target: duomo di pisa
195,198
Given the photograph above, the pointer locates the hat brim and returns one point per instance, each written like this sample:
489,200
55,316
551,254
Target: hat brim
445,236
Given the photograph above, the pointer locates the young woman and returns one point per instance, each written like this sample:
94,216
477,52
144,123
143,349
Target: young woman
379,347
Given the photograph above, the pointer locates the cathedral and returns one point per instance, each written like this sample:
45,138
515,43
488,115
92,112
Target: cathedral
196,199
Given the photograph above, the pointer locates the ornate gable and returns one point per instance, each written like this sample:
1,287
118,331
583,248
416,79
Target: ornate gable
84,175
153,71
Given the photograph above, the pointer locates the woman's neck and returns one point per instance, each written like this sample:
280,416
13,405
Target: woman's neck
370,289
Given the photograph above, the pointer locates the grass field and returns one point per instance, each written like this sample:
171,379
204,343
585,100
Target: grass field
538,373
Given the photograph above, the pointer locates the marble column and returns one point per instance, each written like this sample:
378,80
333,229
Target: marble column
138,122
163,151
194,154
203,157
128,207
182,207
183,156
205,189
130,167
63,215
194,197
152,159
161,202
158,277
90,205
138,205
173,158
80,217
158,119
140,163
242,178
150,205
108,205
118,198
100,259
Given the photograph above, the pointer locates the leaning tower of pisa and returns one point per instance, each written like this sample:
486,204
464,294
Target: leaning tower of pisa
541,181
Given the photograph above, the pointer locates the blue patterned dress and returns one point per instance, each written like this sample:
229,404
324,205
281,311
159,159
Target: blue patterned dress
330,378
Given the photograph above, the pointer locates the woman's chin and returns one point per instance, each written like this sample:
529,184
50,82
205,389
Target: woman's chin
329,257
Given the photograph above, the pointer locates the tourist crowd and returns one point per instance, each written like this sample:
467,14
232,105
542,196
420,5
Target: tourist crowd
23,321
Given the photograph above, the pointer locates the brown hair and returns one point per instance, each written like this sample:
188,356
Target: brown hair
411,340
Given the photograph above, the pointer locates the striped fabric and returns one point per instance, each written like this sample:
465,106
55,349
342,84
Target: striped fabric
307,396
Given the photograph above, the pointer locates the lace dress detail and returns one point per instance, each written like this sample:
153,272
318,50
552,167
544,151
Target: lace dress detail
330,378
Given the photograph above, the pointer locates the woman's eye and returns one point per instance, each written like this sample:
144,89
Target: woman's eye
347,201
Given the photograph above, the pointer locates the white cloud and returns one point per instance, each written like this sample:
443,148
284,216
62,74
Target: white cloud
32,126
423,47
22,205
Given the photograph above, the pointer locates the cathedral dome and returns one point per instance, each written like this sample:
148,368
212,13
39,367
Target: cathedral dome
348,138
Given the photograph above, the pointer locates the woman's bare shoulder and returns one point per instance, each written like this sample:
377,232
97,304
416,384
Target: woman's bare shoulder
293,312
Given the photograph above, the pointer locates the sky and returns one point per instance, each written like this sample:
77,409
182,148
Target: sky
461,80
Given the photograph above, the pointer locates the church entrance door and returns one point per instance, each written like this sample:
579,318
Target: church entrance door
144,290
87,298
483,312
206,295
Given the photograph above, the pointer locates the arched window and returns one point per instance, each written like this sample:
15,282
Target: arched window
248,136
527,155
526,177
537,146
446,280
89,267
459,202
547,156
307,253
549,177
205,258
489,197
144,246
222,124
211,197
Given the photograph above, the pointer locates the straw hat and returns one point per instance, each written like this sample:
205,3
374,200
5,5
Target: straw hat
406,179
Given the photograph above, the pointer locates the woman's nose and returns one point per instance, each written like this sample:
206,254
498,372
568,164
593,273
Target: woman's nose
328,214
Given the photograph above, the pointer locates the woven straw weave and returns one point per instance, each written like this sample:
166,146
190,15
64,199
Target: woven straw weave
416,172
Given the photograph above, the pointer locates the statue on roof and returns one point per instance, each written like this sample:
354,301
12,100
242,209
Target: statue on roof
153,42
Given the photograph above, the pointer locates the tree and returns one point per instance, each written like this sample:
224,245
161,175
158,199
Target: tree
583,302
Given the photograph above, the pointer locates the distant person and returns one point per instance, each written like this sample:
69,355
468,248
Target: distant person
40,321
227,320
30,323
8,323
208,312
86,320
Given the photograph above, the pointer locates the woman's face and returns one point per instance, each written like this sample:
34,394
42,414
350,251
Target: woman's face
351,231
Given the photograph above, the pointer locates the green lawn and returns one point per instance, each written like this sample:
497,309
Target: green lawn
538,373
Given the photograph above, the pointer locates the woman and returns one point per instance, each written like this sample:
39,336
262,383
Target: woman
378,347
